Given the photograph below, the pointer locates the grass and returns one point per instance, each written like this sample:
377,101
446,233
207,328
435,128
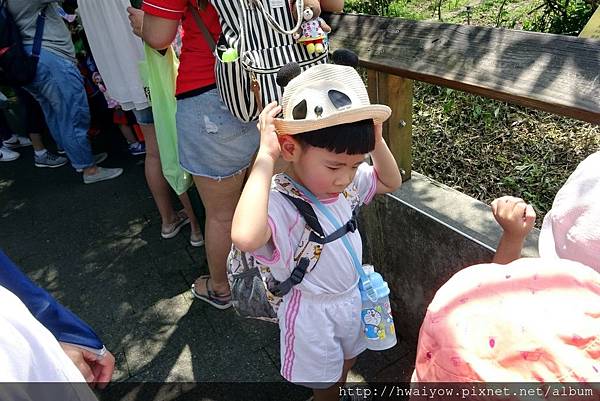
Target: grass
486,148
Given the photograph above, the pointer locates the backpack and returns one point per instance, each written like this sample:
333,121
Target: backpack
261,32
18,68
254,291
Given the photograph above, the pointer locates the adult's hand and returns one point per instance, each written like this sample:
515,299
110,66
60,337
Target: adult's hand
136,20
97,370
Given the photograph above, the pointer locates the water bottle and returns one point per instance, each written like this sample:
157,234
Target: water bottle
376,315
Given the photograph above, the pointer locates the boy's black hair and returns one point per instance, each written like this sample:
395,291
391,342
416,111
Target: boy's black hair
351,138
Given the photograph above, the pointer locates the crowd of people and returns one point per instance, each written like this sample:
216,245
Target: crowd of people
316,139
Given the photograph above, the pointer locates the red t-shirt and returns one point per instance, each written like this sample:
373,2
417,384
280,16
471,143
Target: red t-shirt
196,63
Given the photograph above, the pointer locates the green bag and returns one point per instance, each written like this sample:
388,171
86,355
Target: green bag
160,74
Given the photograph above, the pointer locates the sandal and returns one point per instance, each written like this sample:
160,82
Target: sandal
196,239
218,301
174,228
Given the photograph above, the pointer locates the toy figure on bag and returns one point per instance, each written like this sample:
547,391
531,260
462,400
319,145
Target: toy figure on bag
313,30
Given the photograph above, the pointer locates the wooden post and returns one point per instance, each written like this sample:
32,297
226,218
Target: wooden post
396,92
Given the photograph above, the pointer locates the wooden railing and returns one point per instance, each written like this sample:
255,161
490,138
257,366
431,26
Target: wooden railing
555,73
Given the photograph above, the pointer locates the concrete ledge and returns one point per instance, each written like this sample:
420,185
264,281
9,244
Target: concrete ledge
422,234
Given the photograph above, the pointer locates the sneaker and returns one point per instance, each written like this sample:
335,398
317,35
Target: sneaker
61,152
7,155
137,148
196,239
102,174
99,158
49,160
16,141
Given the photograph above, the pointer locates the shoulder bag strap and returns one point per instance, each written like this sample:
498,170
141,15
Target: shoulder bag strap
273,23
202,26
39,32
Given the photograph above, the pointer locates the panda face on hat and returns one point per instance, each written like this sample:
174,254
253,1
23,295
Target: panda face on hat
317,101
326,95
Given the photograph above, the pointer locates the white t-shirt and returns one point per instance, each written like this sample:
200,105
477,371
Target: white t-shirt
116,50
30,353
335,271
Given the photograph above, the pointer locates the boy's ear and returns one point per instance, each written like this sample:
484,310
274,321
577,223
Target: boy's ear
290,148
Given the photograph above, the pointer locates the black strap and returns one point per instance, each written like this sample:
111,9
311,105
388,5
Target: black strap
308,213
317,236
349,227
202,26
294,279
39,32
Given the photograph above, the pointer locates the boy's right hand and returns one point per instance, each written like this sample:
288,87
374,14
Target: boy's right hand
269,143
516,217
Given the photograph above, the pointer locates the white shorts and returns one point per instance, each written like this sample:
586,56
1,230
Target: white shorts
317,333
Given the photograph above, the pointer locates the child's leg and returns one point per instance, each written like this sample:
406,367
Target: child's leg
161,192
189,210
333,393
127,133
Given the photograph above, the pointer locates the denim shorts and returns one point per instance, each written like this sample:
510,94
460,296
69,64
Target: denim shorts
144,117
212,142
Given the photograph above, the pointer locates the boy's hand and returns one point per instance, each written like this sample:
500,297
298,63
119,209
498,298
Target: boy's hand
269,143
516,217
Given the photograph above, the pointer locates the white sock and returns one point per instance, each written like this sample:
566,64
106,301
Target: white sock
40,153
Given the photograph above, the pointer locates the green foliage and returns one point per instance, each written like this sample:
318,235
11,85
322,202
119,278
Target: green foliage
372,7
566,17
486,148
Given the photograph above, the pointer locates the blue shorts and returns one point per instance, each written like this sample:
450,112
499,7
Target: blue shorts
212,142
144,117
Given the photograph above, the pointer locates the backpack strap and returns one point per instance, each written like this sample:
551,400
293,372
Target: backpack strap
317,235
311,244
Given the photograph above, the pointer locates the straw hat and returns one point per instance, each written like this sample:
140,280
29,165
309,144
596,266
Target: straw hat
533,320
326,95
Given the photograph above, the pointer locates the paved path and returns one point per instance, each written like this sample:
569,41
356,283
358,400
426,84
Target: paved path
97,248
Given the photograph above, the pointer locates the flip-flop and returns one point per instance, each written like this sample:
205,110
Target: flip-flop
219,302
175,227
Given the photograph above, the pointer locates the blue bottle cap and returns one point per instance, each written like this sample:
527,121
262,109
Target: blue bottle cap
379,285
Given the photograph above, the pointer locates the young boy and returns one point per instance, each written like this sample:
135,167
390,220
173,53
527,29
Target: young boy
571,229
328,127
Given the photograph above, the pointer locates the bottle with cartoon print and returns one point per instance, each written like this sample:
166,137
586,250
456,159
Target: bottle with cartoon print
376,315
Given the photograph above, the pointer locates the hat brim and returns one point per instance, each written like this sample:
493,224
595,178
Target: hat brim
377,112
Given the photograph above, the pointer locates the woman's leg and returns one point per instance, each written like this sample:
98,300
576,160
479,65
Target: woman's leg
189,210
161,192
220,198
